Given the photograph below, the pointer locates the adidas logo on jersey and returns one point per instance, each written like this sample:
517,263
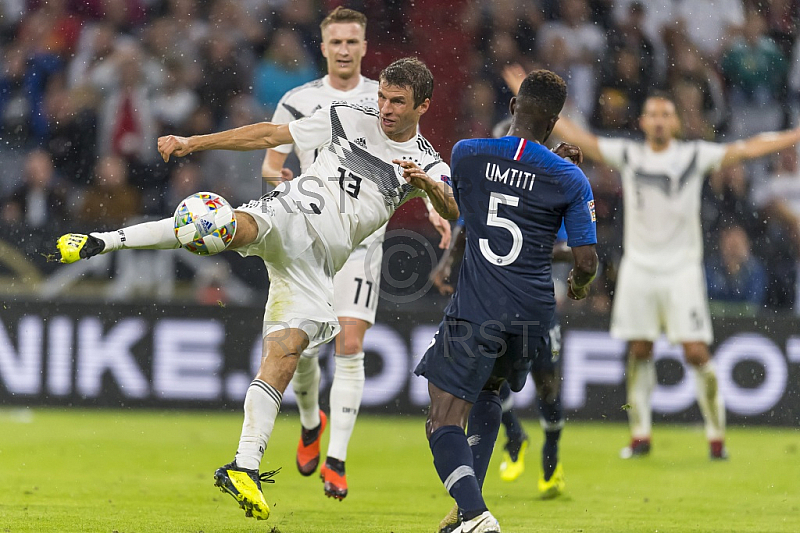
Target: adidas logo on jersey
361,141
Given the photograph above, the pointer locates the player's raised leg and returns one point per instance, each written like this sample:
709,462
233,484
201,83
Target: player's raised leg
640,382
709,398
241,478
159,235
156,235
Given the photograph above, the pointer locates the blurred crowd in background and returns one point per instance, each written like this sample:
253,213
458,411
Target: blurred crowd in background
87,86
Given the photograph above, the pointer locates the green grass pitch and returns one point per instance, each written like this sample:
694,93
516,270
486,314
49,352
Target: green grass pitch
142,471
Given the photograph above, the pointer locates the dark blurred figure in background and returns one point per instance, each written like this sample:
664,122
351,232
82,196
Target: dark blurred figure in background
36,211
737,281
111,200
41,201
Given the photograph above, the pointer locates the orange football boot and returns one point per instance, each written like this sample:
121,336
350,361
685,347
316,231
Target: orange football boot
308,454
335,480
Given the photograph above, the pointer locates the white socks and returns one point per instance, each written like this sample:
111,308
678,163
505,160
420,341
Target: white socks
158,235
346,392
261,405
641,380
305,384
710,401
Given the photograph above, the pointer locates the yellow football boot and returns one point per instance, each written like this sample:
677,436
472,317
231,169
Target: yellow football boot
554,486
513,466
73,247
245,487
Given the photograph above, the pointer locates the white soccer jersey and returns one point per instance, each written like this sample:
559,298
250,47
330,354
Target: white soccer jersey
304,100
661,191
353,188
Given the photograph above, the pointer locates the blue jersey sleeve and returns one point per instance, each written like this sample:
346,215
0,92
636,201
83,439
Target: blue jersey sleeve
580,219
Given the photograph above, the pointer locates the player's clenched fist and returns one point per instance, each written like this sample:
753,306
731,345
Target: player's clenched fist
576,293
570,152
173,145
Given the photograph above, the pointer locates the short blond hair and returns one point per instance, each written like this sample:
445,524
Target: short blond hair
344,15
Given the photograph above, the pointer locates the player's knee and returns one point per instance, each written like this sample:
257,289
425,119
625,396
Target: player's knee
351,345
696,354
350,340
640,350
246,230
447,411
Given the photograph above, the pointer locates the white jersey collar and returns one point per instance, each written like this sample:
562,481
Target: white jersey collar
326,81
396,144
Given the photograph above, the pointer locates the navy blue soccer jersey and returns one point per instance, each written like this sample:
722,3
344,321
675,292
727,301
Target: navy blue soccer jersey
513,195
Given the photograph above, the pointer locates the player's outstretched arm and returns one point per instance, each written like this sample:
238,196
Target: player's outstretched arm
272,169
258,136
760,145
439,193
569,131
583,271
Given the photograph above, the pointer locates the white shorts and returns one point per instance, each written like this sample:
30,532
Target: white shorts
647,303
300,274
356,287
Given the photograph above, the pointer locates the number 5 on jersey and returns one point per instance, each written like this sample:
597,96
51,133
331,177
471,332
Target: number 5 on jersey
495,220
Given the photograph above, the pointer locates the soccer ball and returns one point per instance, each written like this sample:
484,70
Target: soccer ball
205,223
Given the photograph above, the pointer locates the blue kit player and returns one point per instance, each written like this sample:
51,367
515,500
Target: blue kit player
513,194
546,371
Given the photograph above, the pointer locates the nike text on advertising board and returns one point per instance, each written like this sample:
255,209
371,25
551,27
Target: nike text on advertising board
171,356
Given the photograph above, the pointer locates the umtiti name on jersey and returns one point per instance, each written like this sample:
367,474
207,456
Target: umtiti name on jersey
510,176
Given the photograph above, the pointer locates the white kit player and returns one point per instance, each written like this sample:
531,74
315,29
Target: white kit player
356,285
304,231
661,284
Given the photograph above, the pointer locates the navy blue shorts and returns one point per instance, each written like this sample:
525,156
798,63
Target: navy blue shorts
463,356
